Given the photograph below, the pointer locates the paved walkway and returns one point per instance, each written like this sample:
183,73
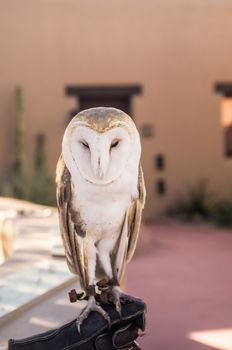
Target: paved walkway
48,314
185,276
30,271
182,271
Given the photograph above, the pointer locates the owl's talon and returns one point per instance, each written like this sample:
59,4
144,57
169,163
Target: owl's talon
90,307
104,314
119,308
79,327
118,298
112,295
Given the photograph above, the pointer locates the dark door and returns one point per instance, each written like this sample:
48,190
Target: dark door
116,102
103,96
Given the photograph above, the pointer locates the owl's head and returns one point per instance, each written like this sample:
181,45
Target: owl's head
99,143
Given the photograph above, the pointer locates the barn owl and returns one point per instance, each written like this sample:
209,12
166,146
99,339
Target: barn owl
100,196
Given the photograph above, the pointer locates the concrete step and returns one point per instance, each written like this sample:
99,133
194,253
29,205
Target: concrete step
26,286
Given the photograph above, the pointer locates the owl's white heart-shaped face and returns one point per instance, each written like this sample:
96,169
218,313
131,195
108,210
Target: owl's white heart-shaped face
100,157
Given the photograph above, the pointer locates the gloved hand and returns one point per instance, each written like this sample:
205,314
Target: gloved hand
95,332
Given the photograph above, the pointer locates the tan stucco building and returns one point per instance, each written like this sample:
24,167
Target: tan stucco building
173,50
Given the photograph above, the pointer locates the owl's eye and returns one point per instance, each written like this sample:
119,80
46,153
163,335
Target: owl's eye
85,144
114,143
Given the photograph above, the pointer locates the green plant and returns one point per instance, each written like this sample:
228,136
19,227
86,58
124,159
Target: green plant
42,189
18,185
223,213
197,201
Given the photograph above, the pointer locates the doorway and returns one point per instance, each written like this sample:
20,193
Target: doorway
103,96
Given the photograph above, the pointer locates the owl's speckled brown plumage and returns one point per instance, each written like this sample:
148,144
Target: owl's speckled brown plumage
102,119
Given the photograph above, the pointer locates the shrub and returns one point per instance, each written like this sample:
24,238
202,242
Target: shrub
38,187
196,202
223,213
18,179
42,189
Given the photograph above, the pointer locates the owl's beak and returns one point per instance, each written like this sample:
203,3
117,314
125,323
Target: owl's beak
100,166
100,172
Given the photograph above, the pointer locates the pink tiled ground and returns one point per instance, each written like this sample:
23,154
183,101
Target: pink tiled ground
184,273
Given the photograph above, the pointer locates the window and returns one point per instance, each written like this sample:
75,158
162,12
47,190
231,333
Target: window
226,115
160,162
226,120
161,187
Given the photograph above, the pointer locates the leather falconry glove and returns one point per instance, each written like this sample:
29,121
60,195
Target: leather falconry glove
95,333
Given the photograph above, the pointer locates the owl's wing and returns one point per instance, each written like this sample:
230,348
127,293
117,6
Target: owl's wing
135,215
130,230
72,234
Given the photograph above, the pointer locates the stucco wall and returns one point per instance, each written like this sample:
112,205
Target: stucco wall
175,49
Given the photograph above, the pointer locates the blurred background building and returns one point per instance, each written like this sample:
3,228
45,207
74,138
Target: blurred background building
168,63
